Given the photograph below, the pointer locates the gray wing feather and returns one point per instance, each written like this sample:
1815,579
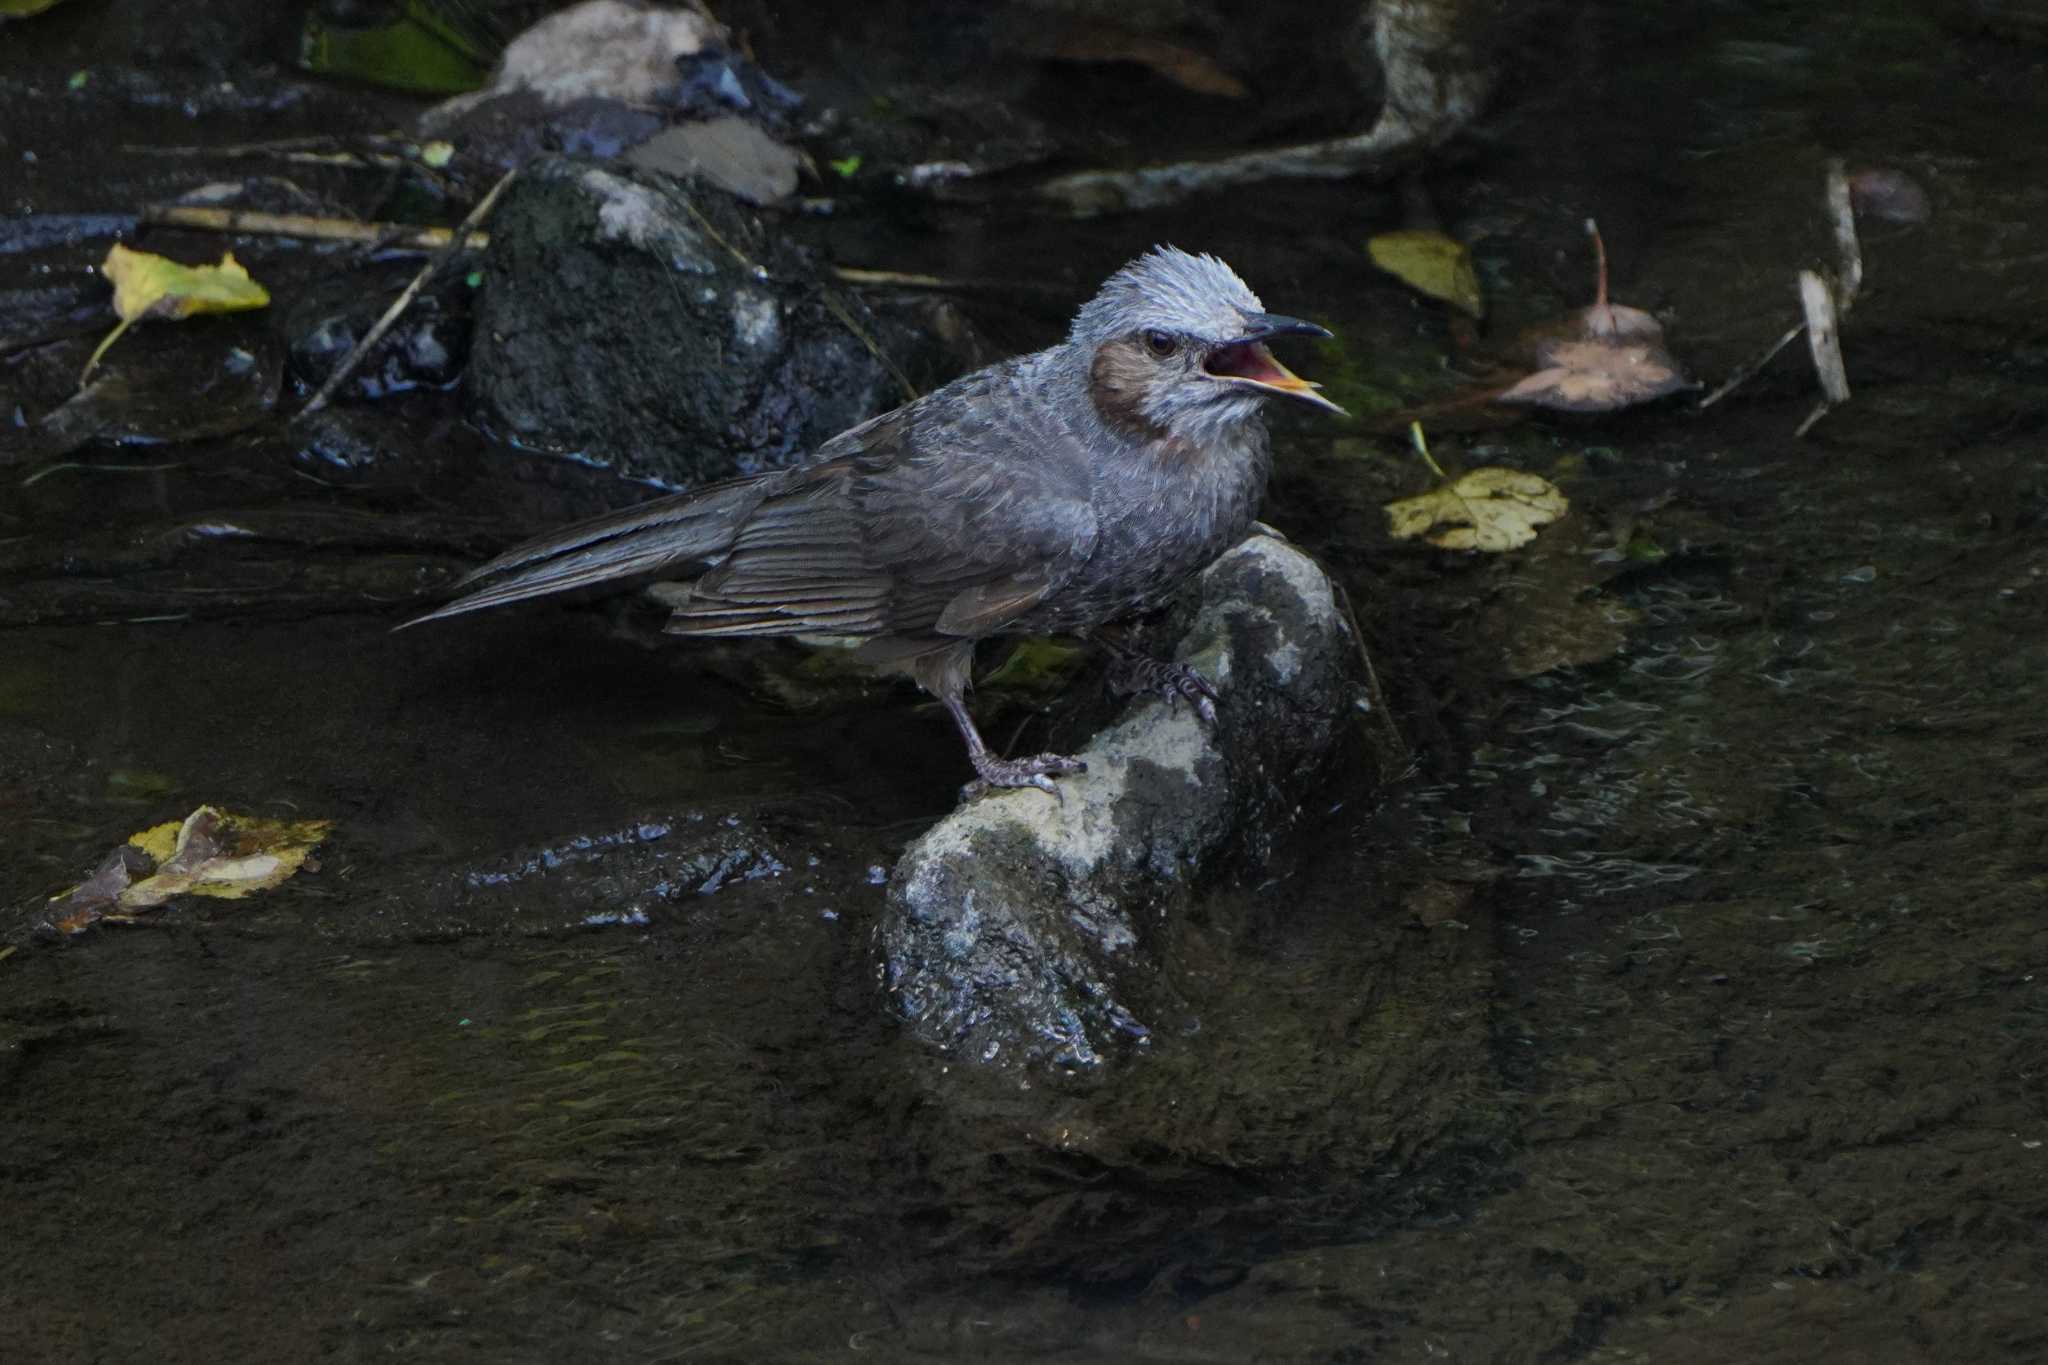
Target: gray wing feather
948,517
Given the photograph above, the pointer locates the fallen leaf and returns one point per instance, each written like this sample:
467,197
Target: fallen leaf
21,9
1491,509
1596,376
423,48
1430,263
209,853
92,898
1599,359
149,286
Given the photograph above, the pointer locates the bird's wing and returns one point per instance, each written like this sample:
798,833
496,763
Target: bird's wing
950,517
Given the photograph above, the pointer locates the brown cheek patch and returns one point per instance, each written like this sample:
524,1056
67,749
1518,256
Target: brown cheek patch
1118,382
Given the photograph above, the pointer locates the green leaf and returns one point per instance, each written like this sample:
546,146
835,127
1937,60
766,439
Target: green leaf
420,51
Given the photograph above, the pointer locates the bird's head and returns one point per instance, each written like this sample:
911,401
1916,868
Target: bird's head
1176,344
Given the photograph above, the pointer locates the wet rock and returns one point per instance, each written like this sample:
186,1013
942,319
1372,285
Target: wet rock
653,325
605,79
604,49
392,445
731,153
423,350
715,80
1026,932
168,385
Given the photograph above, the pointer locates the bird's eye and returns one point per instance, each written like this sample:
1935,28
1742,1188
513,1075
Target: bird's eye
1161,344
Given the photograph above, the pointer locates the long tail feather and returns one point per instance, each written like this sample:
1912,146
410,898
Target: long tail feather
636,543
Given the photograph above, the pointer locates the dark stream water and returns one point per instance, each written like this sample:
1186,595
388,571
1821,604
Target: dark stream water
1686,1000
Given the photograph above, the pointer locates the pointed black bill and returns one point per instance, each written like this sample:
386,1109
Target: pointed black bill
1265,326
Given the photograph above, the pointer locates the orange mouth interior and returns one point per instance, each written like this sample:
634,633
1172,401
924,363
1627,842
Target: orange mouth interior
1251,360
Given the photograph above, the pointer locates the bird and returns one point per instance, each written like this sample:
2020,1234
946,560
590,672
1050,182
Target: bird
1055,493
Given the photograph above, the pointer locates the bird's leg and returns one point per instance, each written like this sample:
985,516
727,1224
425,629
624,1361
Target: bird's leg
995,772
1133,671
944,673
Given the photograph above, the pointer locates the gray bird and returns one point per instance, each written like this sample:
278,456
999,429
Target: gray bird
1051,493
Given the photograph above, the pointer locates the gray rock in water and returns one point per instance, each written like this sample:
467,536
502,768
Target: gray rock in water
653,325
731,153
1021,931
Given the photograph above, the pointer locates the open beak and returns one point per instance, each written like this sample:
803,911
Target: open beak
1246,361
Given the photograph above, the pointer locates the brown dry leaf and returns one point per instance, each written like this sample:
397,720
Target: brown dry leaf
1602,358
1491,509
208,853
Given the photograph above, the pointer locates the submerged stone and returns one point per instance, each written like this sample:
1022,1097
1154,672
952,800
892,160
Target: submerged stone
1023,931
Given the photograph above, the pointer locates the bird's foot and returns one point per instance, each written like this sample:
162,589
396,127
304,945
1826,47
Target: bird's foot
1020,772
1174,681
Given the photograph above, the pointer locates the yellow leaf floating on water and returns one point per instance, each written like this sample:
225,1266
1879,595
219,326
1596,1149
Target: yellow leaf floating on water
208,853
1491,509
21,9
1430,263
148,286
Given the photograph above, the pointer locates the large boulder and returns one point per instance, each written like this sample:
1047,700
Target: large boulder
1024,931
646,323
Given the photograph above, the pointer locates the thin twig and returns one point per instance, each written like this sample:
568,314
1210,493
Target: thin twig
1376,699
860,278
274,147
404,300
838,309
1749,371
309,226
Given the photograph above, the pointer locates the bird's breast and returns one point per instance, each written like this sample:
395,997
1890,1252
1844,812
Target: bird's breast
1162,516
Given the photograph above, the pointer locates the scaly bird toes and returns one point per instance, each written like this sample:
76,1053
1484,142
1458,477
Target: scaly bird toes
1174,681
997,773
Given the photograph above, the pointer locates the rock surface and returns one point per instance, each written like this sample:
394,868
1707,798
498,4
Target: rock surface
647,323
1026,932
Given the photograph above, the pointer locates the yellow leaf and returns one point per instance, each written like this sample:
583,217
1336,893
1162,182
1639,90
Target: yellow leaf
148,286
1491,509
214,853
21,9
1430,263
